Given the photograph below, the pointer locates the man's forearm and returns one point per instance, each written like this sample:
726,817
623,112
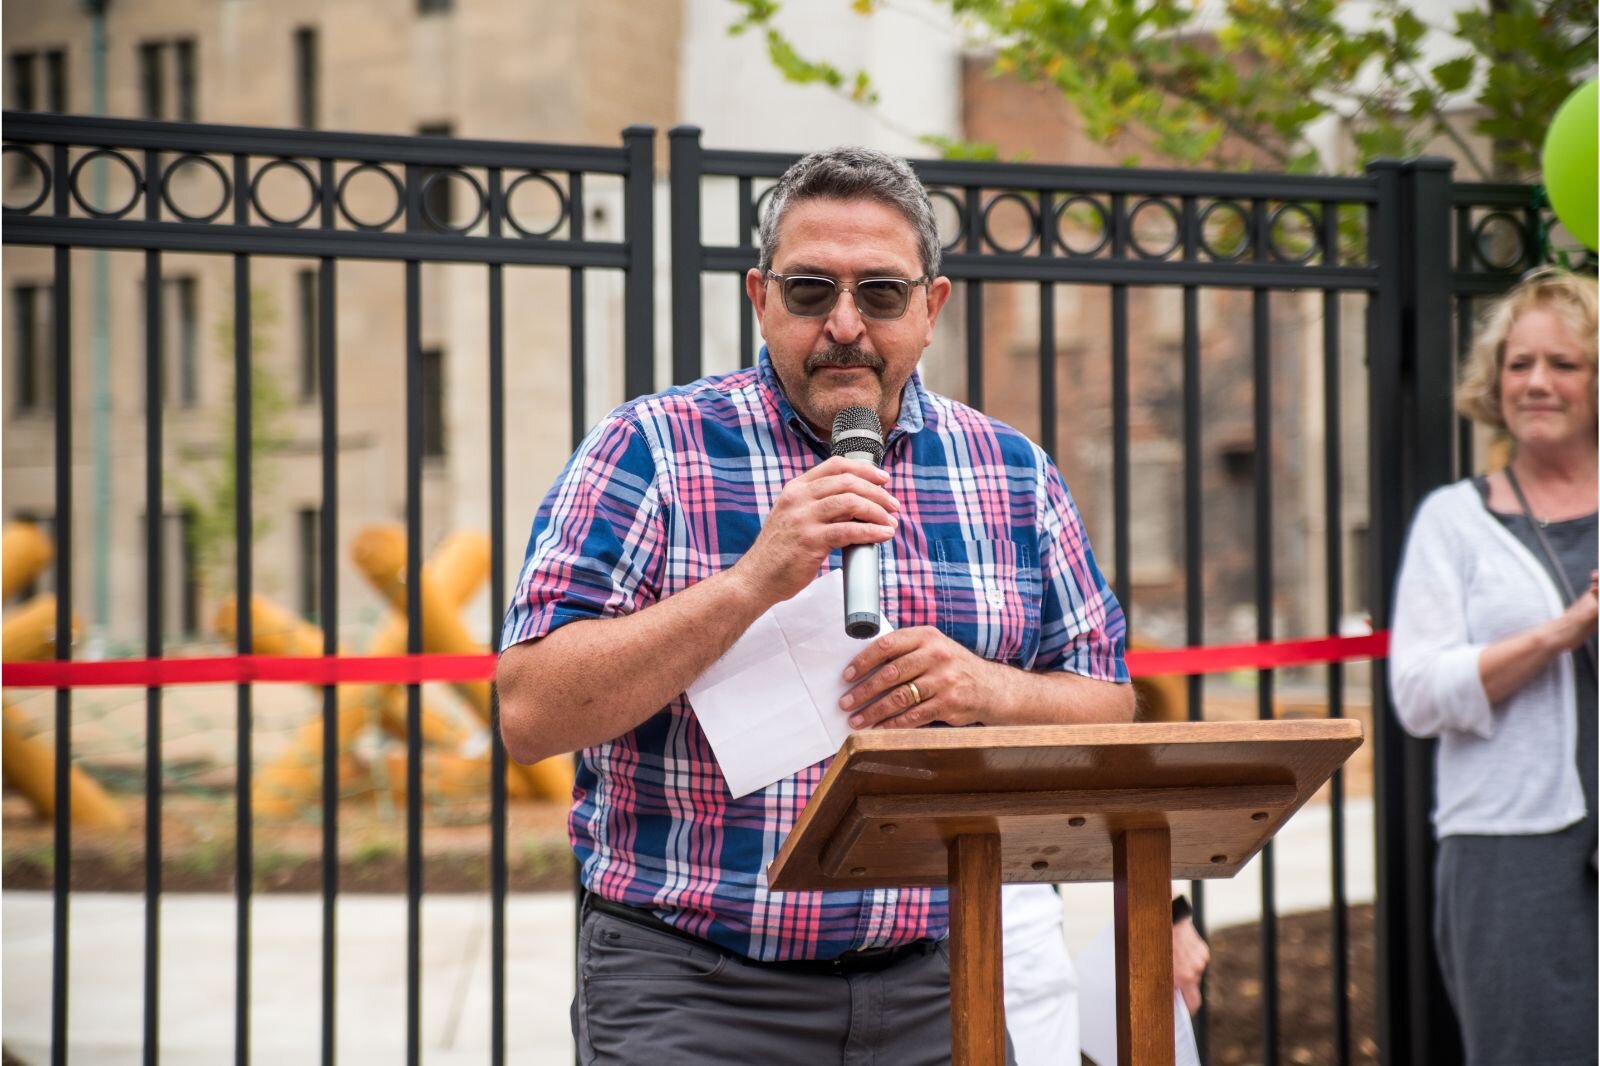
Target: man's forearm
592,681
1060,698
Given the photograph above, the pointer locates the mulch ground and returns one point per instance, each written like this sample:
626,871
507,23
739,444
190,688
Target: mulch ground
1234,1016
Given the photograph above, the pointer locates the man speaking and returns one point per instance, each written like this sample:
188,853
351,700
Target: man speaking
680,520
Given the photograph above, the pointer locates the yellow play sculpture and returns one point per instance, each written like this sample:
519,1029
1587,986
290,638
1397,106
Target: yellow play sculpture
24,552
28,634
380,552
293,780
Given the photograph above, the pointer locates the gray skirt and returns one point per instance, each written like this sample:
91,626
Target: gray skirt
1515,928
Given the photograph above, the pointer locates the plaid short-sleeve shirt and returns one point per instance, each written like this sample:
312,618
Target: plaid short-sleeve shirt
672,488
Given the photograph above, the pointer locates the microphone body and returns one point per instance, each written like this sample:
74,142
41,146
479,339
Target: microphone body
858,434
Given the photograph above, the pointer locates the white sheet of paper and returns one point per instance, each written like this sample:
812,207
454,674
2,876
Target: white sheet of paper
1097,1006
770,705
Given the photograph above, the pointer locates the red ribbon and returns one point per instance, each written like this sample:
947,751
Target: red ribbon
247,669
415,669
1219,658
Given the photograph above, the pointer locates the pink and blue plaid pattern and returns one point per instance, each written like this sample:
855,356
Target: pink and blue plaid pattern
670,489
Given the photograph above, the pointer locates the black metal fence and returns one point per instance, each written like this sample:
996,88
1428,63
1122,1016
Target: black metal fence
1402,245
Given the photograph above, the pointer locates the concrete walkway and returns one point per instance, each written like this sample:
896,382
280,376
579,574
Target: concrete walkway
197,985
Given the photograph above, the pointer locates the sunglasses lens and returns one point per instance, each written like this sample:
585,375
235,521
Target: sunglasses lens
809,296
882,298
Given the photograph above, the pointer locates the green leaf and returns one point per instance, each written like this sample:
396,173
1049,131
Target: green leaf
1307,162
1454,75
954,148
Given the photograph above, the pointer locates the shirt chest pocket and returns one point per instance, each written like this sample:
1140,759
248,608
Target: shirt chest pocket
989,593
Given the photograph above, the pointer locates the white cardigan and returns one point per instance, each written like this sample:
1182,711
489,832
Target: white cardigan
1466,582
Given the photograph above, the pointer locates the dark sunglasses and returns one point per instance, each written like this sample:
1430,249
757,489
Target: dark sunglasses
881,299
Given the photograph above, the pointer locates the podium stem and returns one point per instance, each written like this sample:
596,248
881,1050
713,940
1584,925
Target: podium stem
1142,870
977,1003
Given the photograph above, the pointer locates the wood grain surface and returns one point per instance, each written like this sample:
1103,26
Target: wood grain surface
893,800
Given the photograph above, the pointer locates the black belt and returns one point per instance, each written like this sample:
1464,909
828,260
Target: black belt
857,960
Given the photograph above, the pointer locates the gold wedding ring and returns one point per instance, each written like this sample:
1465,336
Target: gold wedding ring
916,695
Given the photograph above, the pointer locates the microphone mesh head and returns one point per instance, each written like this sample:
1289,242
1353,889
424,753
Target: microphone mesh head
857,429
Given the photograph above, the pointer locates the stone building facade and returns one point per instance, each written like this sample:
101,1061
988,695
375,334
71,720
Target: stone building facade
566,73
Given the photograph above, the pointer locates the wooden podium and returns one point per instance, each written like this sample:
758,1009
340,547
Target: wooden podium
1137,804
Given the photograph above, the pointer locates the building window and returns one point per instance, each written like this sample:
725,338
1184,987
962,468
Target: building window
305,77
433,438
180,573
28,69
180,340
183,327
1355,569
186,80
306,299
437,201
308,528
168,90
152,83
433,7
183,525
44,580
33,345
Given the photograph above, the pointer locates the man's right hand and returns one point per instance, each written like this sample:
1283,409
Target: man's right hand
834,504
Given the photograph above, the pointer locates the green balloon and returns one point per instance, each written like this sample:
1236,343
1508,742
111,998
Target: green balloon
1569,163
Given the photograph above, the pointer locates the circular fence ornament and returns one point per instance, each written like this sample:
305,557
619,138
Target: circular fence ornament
206,163
39,168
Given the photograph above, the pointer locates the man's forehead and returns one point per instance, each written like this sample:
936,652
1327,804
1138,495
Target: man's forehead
869,226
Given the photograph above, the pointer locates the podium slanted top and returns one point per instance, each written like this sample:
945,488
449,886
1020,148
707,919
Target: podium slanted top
892,801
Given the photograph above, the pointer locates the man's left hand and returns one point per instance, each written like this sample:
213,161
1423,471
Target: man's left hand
910,677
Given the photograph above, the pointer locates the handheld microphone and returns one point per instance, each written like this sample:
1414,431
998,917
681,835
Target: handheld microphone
857,434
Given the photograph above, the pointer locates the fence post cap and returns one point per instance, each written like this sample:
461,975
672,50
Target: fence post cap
1420,162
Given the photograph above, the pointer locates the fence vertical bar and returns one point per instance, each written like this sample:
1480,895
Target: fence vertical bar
155,589
1047,336
244,522
974,220
578,402
747,311
414,431
687,258
1463,307
1333,509
1410,434
1122,504
497,607
495,400
639,288
1193,531
577,349
1261,318
61,873
328,580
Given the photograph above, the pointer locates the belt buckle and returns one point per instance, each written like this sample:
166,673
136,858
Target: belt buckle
842,964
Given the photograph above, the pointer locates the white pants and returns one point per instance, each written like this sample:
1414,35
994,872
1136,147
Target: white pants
1040,980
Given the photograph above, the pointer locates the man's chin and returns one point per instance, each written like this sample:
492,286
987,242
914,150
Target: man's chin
827,403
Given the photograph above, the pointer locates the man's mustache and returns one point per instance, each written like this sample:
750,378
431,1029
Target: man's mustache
844,356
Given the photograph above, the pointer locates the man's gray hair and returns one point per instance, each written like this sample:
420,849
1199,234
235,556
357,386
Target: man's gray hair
851,173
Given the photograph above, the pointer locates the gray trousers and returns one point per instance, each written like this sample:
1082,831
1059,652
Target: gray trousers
648,997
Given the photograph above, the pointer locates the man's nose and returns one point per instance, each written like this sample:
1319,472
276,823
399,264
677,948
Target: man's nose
844,321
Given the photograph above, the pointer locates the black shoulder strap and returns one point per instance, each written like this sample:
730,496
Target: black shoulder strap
1556,569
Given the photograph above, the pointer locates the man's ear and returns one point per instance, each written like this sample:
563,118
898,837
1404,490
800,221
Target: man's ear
938,293
755,287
